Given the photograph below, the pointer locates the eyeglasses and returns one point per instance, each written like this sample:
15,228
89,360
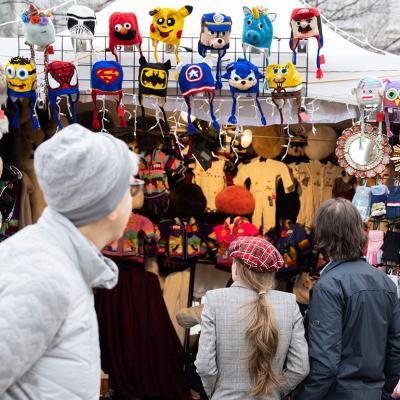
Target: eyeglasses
136,186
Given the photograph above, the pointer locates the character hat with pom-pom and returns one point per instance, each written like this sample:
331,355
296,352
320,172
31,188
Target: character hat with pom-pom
106,79
306,23
124,31
235,200
62,79
22,83
391,102
215,38
244,78
194,79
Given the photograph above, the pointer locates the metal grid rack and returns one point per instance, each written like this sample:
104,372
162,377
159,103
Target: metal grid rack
129,59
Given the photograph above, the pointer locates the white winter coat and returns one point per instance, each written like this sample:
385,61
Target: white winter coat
49,346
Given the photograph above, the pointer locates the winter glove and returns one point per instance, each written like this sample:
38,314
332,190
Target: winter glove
374,252
362,201
393,203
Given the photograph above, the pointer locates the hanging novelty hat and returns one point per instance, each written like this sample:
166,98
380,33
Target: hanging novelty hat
194,79
257,29
306,23
38,29
81,22
62,79
153,81
215,38
167,27
106,79
3,101
244,79
22,83
391,103
124,31
369,95
285,84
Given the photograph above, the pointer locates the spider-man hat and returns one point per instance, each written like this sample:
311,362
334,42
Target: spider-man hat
106,79
193,79
62,79
256,254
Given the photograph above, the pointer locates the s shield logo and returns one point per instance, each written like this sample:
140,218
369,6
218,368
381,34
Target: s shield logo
108,75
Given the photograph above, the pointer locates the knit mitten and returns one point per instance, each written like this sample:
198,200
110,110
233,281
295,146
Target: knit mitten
379,195
393,203
374,252
362,201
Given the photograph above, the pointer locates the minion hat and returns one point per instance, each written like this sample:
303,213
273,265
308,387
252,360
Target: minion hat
106,79
306,23
62,79
193,79
215,37
21,83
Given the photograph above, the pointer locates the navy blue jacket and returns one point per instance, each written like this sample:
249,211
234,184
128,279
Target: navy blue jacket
353,335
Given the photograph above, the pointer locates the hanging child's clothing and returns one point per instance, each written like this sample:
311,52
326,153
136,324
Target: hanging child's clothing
264,176
229,231
211,181
139,234
183,241
292,242
153,170
316,182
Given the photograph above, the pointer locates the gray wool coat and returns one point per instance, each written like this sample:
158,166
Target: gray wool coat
222,359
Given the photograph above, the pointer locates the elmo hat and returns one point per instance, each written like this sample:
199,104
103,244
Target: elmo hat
256,254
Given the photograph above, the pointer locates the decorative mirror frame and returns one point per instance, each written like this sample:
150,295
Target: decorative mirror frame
375,167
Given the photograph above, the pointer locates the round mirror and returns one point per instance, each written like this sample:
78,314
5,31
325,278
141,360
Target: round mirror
363,151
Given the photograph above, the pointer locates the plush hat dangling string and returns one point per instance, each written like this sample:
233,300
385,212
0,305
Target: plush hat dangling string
244,78
285,84
306,23
153,82
215,38
39,30
167,26
391,101
106,79
124,31
22,83
62,79
194,79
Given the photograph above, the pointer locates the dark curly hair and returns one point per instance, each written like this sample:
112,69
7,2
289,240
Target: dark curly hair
339,231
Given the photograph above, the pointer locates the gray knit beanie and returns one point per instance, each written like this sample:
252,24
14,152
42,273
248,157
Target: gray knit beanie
84,175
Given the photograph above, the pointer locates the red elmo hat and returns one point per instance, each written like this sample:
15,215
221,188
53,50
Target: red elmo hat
235,200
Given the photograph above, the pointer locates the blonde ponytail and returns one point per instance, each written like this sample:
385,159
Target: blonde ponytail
262,333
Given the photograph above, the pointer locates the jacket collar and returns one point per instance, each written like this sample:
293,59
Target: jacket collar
334,264
97,270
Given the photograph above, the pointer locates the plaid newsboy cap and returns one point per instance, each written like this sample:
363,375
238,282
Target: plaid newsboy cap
256,254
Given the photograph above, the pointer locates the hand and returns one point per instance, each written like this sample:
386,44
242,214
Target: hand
396,391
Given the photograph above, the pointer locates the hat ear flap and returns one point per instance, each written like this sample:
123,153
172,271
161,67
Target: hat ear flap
247,11
154,11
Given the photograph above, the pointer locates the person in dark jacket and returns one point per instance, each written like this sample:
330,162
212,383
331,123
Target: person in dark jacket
354,316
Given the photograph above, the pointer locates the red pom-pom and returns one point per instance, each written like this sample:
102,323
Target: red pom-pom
320,74
379,116
96,124
50,50
122,123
